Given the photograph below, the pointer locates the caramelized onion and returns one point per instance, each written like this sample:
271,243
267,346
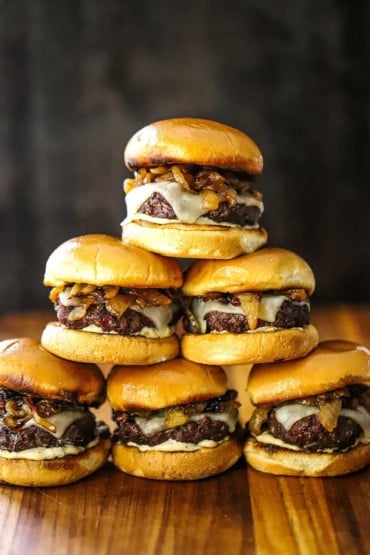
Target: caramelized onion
40,421
258,417
119,304
329,414
209,200
296,294
249,303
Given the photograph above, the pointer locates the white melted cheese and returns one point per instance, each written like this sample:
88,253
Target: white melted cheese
186,205
288,415
47,453
150,426
268,308
171,445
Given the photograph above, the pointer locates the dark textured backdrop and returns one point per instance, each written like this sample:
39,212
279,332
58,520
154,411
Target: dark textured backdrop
77,78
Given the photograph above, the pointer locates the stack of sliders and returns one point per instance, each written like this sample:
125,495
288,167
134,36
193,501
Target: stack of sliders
192,196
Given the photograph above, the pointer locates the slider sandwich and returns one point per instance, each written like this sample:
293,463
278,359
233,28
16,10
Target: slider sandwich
312,415
175,421
48,435
192,193
114,303
254,308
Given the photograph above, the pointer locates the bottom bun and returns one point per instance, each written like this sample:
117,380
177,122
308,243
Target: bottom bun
277,460
194,240
54,472
179,465
251,347
107,348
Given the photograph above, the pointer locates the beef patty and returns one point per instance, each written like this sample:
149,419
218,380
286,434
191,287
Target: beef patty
289,315
97,315
309,434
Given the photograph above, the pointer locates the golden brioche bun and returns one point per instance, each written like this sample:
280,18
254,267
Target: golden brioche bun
193,240
107,348
54,472
25,366
105,260
250,347
193,141
264,270
277,460
332,365
179,465
174,382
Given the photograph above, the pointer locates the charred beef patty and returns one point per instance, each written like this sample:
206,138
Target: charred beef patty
110,308
190,431
16,435
325,429
310,435
290,314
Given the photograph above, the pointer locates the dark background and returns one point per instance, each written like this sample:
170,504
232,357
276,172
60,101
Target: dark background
78,78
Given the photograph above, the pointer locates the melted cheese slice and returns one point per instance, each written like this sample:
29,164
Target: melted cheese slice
186,205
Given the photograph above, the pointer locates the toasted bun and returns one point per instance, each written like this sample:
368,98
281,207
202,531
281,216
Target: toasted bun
179,465
264,270
193,141
193,240
334,364
175,382
105,260
54,472
249,348
106,348
278,460
28,368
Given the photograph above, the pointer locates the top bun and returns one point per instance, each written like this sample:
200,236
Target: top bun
193,141
332,365
174,382
26,367
263,270
105,260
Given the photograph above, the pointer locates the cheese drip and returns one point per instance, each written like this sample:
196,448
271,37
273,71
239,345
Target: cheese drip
186,205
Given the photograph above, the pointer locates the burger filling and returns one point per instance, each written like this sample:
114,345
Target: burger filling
192,194
112,309
330,422
181,427
38,429
247,312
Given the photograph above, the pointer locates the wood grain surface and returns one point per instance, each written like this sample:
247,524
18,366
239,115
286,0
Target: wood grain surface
239,512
